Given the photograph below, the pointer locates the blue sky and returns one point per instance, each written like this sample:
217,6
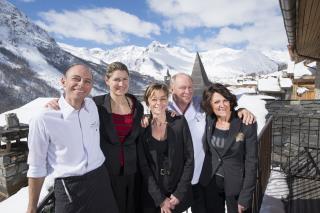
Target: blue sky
194,24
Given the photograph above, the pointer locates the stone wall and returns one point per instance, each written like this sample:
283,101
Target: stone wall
302,108
13,169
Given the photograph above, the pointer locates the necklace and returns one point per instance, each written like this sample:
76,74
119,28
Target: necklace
116,105
223,125
129,105
159,130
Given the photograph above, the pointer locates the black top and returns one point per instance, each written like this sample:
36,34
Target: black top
217,144
239,159
109,140
218,140
180,164
161,147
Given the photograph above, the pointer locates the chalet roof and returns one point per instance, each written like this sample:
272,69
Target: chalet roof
302,23
269,85
285,82
199,76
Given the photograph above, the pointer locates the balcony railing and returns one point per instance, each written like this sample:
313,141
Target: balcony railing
296,148
296,153
264,164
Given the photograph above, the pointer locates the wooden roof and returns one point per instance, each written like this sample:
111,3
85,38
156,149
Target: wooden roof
302,23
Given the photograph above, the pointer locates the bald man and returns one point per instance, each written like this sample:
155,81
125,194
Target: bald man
65,143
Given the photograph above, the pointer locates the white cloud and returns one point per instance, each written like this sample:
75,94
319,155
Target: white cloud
212,13
199,43
257,24
101,25
260,35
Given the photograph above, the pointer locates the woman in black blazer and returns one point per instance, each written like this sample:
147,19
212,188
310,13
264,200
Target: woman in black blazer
165,154
120,116
230,166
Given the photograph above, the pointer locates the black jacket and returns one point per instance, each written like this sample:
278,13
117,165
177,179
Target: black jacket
109,140
239,159
181,162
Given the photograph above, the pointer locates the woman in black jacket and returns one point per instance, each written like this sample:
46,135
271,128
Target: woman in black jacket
120,116
230,165
165,154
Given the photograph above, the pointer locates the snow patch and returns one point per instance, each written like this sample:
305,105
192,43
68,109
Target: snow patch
302,90
256,105
38,64
269,84
299,70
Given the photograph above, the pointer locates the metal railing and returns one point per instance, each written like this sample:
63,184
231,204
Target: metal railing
264,164
296,153
47,204
296,147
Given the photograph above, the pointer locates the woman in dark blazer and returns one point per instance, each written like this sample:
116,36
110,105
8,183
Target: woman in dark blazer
165,154
120,116
230,166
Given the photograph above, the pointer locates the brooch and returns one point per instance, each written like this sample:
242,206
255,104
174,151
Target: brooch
239,137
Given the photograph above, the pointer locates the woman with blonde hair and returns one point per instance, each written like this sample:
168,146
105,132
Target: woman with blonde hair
165,154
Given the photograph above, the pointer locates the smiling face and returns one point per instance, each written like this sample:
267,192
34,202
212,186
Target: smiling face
182,89
158,102
220,105
77,83
118,82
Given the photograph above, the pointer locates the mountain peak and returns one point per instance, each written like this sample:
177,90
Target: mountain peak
15,27
157,44
6,8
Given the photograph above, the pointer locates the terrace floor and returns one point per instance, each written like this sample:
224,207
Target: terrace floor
304,195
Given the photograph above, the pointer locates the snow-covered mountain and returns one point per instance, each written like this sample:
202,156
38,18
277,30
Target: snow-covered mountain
31,62
221,65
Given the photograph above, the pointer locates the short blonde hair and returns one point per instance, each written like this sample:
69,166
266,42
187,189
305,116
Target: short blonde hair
155,87
174,77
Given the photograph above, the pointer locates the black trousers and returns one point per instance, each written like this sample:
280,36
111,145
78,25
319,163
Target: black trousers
125,189
215,197
89,193
198,204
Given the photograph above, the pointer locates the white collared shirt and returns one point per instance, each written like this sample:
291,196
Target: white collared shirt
65,142
196,121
